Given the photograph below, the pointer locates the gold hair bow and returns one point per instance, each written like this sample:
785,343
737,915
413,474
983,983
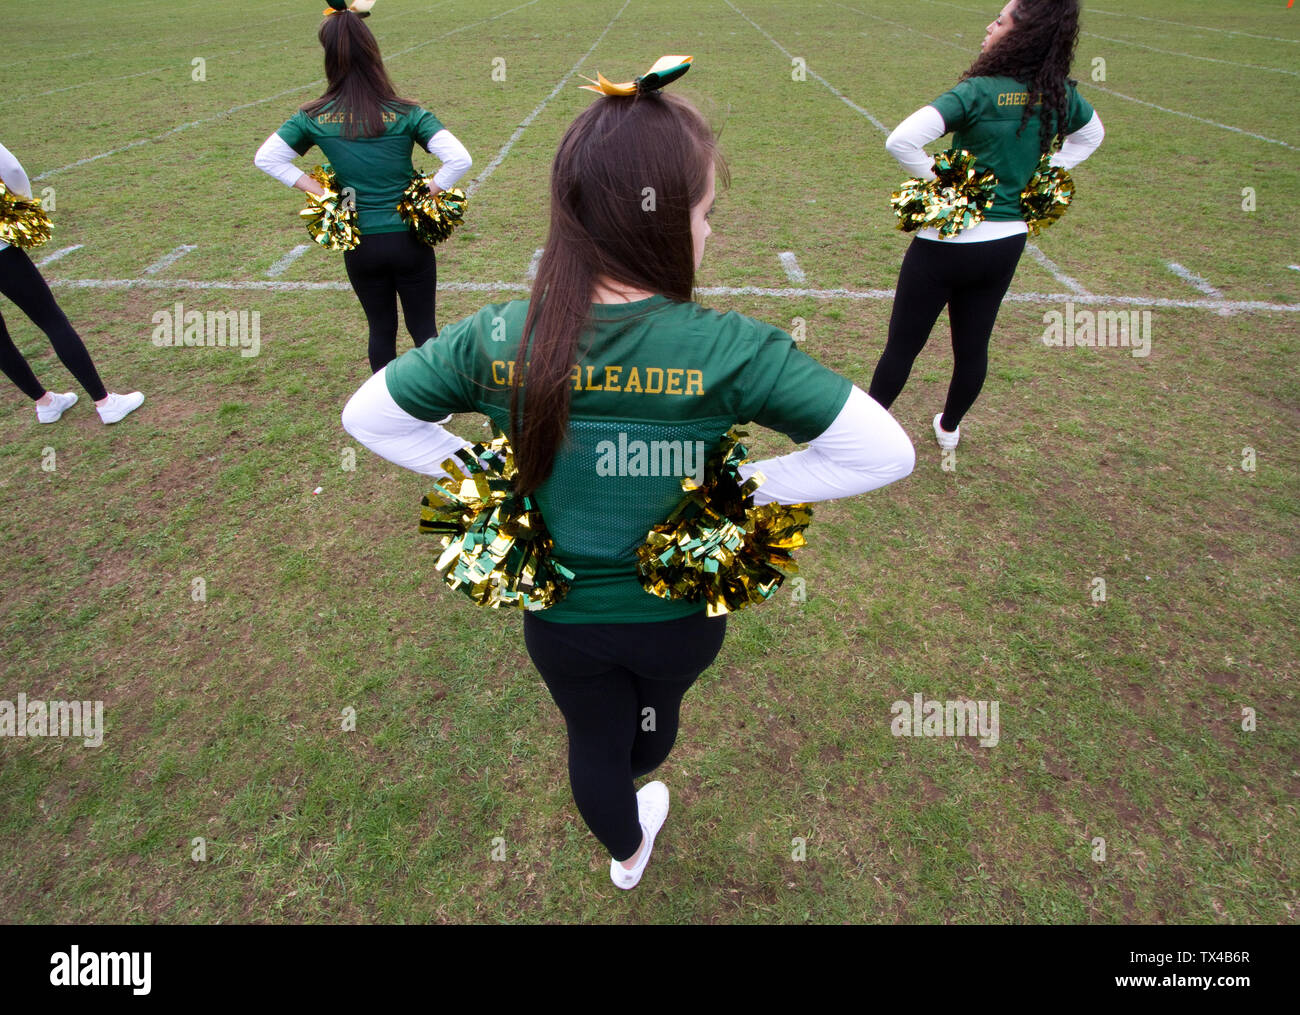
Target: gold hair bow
361,8
666,69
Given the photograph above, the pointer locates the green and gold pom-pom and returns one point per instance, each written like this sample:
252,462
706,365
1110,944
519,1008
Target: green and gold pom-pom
432,216
717,547
23,222
956,200
331,219
495,546
1047,196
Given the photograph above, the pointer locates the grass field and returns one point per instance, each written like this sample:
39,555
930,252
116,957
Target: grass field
1172,477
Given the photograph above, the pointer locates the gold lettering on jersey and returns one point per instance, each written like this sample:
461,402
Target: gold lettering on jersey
388,115
616,377
1013,99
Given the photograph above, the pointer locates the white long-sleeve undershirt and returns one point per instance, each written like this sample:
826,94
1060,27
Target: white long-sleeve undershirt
907,145
14,177
275,158
863,449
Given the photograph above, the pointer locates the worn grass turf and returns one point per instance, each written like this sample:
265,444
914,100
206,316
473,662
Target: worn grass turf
1120,719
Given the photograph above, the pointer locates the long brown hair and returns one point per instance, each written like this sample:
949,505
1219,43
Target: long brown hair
624,181
358,84
1038,52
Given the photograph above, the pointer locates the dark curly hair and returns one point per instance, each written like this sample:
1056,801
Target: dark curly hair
1038,52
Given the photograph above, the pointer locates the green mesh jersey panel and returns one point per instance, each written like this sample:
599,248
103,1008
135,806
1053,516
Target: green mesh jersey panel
984,116
657,385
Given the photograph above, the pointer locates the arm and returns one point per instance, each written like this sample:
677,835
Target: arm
379,423
13,174
275,158
864,449
1079,145
907,142
455,160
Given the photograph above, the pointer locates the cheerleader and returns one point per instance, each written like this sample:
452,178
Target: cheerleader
366,133
22,283
1007,110
620,357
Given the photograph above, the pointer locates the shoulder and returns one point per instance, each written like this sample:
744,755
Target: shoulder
736,333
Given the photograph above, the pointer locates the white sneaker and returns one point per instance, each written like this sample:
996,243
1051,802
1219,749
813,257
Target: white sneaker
118,406
59,404
947,440
652,810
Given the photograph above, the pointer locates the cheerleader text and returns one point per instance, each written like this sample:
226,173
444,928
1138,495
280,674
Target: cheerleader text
1114,329
615,377
235,329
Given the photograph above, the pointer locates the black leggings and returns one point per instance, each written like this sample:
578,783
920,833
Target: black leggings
22,283
604,677
383,268
972,279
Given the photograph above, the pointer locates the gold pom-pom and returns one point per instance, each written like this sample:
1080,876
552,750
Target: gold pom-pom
717,547
23,222
432,216
331,219
495,546
957,199
1047,196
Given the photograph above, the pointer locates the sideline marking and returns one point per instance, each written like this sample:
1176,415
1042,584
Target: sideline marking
791,293
792,270
167,260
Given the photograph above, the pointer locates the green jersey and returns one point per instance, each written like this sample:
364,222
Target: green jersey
984,116
656,387
378,169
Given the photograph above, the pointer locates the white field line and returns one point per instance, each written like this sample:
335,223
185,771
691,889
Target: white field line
1199,284
791,265
167,260
1190,116
1294,267
1151,302
146,42
282,265
812,73
256,102
58,255
897,24
1193,56
86,84
1183,24
193,47
1194,280
533,263
505,150
1055,271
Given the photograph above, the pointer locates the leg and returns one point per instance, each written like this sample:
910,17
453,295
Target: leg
22,283
973,311
370,272
16,368
599,707
417,288
918,299
662,691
